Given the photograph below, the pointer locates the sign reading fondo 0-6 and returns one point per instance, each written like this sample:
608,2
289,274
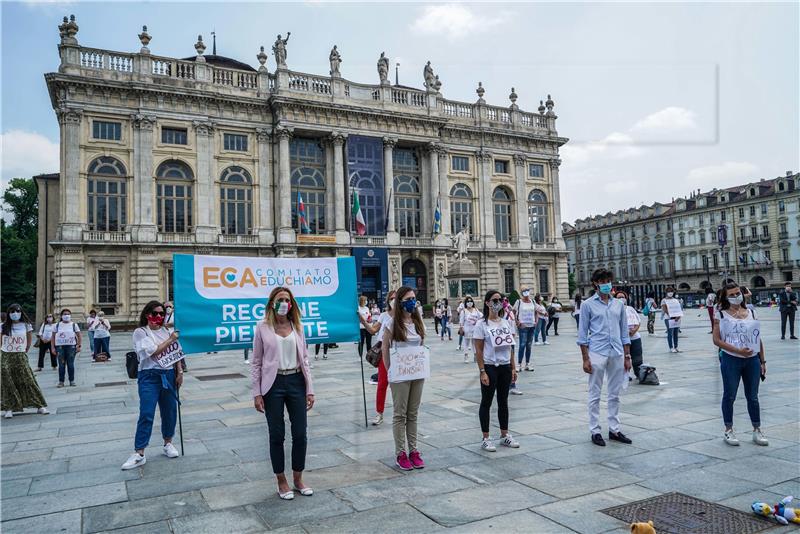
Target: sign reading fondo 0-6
219,300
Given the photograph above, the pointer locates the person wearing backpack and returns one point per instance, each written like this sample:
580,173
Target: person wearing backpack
649,311
66,344
157,386
552,312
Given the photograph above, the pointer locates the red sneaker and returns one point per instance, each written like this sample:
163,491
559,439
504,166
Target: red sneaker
402,462
416,460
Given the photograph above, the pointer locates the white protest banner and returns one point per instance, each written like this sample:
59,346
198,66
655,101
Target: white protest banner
674,308
675,323
173,353
526,314
501,336
409,363
745,334
66,336
15,343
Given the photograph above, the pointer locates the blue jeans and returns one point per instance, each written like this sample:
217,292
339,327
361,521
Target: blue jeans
288,391
672,335
91,341
749,371
446,327
101,344
66,362
525,339
156,387
541,327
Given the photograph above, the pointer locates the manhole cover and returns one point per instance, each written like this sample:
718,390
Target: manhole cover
108,384
676,513
219,377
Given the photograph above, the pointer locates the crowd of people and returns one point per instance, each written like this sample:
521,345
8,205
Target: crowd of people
495,334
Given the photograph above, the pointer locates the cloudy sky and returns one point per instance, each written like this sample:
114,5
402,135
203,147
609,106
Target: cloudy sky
657,99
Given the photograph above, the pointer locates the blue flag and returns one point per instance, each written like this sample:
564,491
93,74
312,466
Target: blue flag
437,219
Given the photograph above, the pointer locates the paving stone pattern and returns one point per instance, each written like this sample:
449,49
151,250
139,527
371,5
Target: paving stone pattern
61,472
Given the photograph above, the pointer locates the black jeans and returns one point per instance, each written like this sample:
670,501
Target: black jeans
324,349
366,338
44,348
499,381
553,321
289,391
785,315
636,355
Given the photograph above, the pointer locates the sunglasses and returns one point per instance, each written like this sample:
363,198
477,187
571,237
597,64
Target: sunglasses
496,301
156,313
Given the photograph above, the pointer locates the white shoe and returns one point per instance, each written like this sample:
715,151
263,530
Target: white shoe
527,367
247,362
538,343
488,446
378,419
516,391
759,438
135,460
466,358
42,411
730,438
546,343
9,414
509,441
170,451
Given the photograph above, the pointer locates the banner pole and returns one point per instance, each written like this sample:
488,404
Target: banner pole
180,423
363,390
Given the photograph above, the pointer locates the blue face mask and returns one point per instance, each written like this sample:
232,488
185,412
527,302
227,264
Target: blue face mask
410,305
605,289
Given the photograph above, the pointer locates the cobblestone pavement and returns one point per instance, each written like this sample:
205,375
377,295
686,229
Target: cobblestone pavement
61,472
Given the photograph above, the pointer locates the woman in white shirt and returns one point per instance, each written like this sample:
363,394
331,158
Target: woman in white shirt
90,322
19,389
281,377
526,324
102,335
467,321
45,336
633,331
156,386
494,346
67,344
672,312
364,319
541,321
405,329
382,379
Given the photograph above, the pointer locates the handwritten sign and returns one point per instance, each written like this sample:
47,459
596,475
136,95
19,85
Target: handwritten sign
501,336
673,308
745,334
66,337
15,343
173,353
675,323
526,314
409,363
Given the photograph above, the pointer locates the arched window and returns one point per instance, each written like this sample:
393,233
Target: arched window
106,189
407,205
460,208
174,181
308,180
503,208
537,216
236,201
368,185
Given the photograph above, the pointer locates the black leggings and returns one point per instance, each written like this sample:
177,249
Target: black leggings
500,381
365,337
324,349
44,348
553,321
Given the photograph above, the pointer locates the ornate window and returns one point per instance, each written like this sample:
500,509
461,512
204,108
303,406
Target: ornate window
308,180
365,168
408,196
461,208
503,208
174,181
236,201
537,216
107,194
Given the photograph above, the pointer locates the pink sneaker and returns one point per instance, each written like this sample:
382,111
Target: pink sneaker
416,460
402,462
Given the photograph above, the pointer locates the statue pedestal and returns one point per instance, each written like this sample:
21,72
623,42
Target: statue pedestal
463,278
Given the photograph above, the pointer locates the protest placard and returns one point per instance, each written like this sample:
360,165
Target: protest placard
409,363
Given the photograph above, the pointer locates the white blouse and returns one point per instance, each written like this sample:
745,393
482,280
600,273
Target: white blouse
287,348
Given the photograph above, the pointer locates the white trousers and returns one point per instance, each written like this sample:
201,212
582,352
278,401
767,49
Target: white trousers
612,367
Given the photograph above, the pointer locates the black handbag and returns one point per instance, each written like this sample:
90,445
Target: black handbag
375,354
132,364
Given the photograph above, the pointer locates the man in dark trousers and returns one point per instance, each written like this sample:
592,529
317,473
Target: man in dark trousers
787,302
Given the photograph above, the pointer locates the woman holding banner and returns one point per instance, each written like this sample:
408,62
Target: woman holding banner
672,311
156,385
494,345
404,331
19,387
281,376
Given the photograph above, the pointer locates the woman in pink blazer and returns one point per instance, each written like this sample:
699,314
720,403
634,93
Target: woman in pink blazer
280,376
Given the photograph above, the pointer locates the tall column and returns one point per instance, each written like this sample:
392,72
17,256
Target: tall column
286,233
555,163
330,186
266,209
484,162
392,237
69,120
444,192
143,223
205,203
342,236
430,187
520,164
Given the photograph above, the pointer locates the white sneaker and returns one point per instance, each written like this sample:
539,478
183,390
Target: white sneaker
135,460
527,367
488,446
546,343
170,451
509,441
538,343
247,362
42,411
466,358
516,391
9,414
730,438
759,438
378,419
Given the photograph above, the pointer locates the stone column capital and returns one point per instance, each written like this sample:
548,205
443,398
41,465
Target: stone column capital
389,142
284,132
555,163
483,156
263,135
69,115
338,138
520,159
143,122
204,128
431,148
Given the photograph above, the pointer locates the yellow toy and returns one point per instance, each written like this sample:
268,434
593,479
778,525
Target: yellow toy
782,512
643,528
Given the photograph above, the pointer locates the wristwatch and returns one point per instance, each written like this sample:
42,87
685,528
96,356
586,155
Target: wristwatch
482,370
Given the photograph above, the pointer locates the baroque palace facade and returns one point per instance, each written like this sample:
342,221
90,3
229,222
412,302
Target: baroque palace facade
207,155
677,244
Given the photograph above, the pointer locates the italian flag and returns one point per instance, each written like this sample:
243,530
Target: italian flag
361,226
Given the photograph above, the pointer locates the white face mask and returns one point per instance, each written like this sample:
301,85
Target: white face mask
283,309
669,295
15,316
622,300
66,317
737,300
526,293
470,304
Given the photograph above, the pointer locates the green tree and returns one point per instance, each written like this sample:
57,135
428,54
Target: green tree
572,284
19,242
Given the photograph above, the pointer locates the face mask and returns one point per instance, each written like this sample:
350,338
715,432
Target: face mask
66,317
470,304
669,295
282,308
156,319
49,319
169,309
526,293
737,300
496,306
623,301
15,316
410,305
605,289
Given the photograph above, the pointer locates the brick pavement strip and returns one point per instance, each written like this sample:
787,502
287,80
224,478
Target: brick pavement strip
60,473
